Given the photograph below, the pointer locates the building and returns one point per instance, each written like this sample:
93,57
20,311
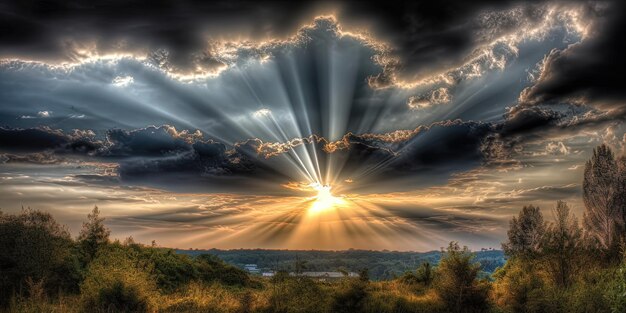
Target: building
252,268
327,276
319,276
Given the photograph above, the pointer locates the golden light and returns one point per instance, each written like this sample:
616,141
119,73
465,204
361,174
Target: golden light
324,200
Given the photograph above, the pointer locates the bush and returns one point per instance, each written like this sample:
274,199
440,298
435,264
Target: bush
457,283
616,292
424,275
117,281
516,286
587,295
26,240
210,268
350,296
297,294
171,271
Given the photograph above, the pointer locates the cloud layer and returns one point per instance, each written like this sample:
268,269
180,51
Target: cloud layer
422,115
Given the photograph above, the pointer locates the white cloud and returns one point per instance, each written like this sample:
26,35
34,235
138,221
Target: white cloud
261,113
122,81
557,148
40,114
434,97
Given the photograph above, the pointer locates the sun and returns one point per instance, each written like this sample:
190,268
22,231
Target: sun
324,200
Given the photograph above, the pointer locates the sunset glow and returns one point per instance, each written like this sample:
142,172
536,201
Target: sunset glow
325,200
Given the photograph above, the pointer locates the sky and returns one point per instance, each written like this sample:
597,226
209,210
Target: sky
292,125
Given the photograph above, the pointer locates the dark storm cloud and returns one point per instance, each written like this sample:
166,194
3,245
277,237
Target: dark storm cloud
430,36
162,156
46,139
58,30
588,72
32,158
165,156
427,36
146,142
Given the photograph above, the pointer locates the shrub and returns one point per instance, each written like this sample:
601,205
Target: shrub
587,292
616,292
297,294
26,239
424,275
210,268
457,283
350,296
118,281
171,271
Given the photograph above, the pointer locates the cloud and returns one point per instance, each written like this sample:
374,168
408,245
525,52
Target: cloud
40,114
122,81
261,113
588,72
542,193
47,139
185,155
437,96
146,142
338,112
32,158
557,148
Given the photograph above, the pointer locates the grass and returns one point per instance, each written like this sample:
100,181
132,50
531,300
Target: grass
297,296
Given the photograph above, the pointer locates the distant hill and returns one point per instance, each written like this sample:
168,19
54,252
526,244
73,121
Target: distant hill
381,264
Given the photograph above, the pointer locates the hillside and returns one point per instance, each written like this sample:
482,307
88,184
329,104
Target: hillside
382,265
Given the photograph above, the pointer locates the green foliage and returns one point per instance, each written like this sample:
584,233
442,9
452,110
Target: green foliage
517,288
616,291
117,280
457,284
172,271
34,246
350,296
525,233
381,265
298,295
93,235
211,268
424,275
587,294
562,246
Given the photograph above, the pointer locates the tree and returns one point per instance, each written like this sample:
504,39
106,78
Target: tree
457,284
34,248
116,281
562,245
518,287
603,195
525,233
425,274
621,192
93,235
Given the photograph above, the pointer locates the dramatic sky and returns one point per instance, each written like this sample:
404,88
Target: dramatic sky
331,125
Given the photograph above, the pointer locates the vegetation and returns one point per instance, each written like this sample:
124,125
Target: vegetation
381,265
553,265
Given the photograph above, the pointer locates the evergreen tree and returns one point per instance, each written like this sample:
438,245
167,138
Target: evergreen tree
562,245
525,233
601,195
93,235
